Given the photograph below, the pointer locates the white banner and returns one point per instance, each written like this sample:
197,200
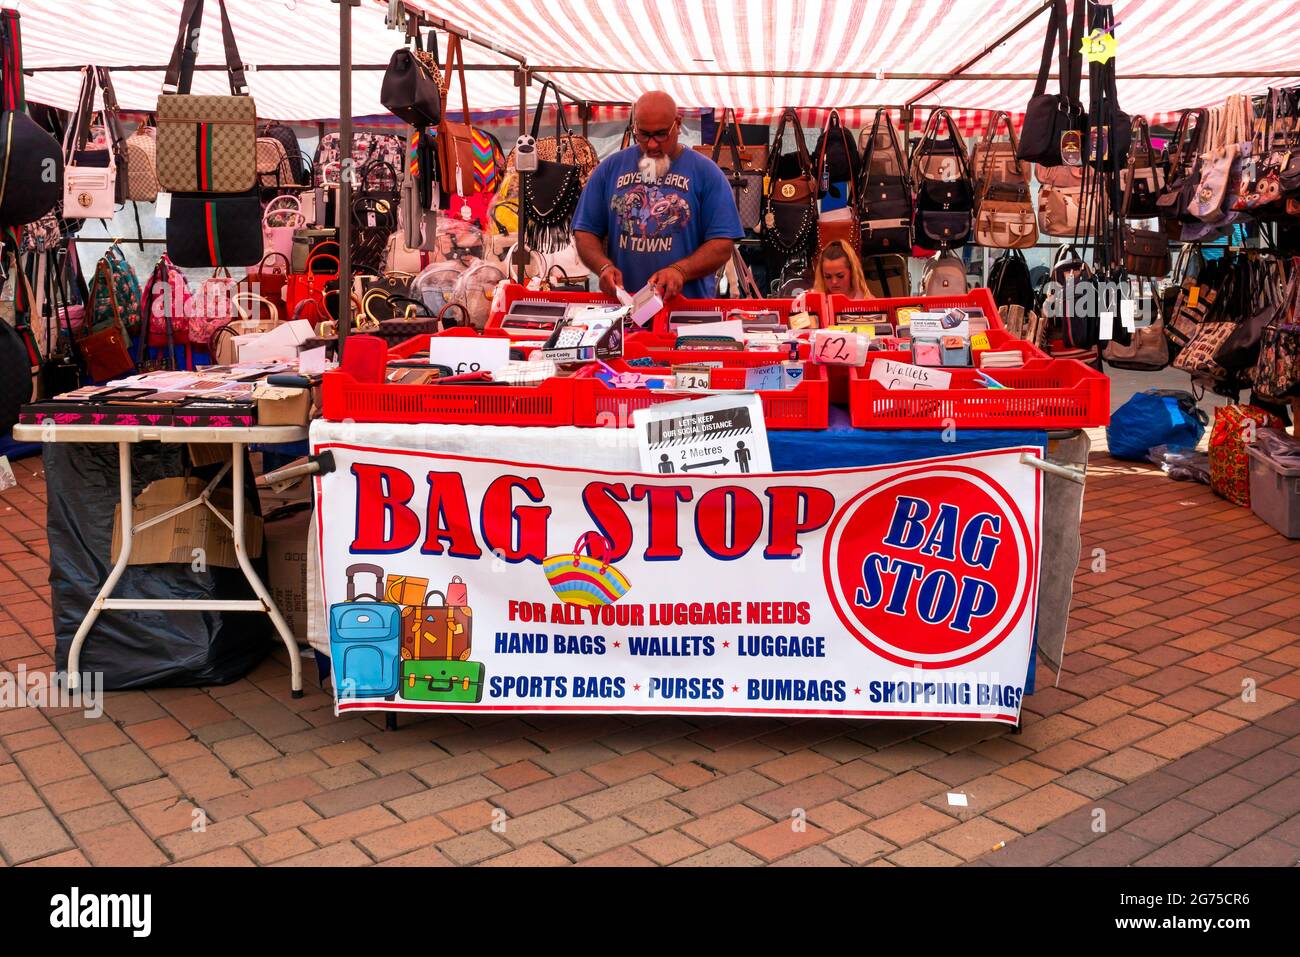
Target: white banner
465,584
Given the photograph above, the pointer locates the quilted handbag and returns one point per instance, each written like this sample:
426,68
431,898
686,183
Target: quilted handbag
205,143
884,196
790,209
142,165
1229,461
745,177
588,579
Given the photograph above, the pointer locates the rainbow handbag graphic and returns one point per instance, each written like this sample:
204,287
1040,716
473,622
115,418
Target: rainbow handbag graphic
586,579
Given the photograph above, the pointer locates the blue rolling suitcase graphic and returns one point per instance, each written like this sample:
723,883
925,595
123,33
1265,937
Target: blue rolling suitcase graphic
366,641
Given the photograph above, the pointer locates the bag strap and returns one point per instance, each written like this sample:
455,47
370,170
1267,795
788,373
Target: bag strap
789,115
456,65
1056,37
737,143
931,137
14,98
883,114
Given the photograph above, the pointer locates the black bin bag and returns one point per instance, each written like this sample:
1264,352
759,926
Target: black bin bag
140,649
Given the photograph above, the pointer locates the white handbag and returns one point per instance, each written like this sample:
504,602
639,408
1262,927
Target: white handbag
90,174
282,217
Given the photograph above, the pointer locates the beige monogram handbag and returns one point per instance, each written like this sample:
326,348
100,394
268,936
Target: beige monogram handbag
206,144
1004,213
142,165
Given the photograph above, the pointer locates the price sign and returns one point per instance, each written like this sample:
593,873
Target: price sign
468,354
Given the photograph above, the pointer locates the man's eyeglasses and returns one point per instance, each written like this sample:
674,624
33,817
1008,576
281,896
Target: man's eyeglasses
645,136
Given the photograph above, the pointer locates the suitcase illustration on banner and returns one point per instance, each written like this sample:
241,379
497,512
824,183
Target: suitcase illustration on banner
405,589
454,682
365,641
436,631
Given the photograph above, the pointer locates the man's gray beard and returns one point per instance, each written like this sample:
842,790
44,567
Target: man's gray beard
654,168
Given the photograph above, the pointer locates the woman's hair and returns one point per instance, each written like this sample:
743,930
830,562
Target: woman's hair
839,249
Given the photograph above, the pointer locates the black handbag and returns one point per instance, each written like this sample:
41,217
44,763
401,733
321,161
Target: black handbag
945,203
1145,175
550,193
1050,117
837,155
409,91
61,370
206,230
884,201
374,206
28,154
790,207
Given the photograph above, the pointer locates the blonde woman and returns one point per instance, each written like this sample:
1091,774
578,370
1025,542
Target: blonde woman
838,269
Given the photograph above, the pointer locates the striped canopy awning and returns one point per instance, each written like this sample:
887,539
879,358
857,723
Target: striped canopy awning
755,55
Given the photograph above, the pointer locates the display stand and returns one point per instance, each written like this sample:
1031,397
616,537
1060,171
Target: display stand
124,436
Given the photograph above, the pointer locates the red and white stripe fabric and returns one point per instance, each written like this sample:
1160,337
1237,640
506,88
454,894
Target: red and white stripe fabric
689,48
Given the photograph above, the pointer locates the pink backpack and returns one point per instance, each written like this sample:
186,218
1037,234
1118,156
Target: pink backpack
214,307
167,295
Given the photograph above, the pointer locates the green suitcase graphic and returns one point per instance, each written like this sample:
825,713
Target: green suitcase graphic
429,679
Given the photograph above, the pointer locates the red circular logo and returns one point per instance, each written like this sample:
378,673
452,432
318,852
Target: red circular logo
929,568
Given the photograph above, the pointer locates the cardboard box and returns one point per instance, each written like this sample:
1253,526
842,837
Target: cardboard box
175,540
277,405
286,564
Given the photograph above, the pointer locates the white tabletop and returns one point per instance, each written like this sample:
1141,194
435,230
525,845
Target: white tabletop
263,434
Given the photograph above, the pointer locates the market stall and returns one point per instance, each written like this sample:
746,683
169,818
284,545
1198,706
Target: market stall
534,492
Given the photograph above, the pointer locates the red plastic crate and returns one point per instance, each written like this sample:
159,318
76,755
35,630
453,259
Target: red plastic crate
806,406
515,292
1045,394
813,300
343,397
981,298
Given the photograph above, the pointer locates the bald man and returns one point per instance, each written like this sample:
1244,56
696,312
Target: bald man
657,212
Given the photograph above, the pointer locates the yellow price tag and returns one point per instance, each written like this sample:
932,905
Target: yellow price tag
979,341
1098,47
1193,297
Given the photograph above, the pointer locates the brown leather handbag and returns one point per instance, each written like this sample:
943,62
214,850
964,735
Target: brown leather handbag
1146,251
790,208
842,223
455,142
104,348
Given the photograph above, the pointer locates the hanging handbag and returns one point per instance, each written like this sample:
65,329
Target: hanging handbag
745,156
114,292
410,91
206,230
944,275
104,346
1004,216
142,165
61,370
377,198
267,279
1147,349
550,193
205,143
1209,202
837,154
790,207
31,161
273,168
281,218
887,276
90,175
1144,176
945,196
1055,123
1277,371
455,142
1272,301
744,175
1146,251
884,196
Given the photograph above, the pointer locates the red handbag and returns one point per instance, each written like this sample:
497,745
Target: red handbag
267,281
310,284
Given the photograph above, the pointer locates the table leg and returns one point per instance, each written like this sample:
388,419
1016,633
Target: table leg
291,643
123,558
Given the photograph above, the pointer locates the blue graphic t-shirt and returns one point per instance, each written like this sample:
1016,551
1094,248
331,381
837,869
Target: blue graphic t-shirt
648,226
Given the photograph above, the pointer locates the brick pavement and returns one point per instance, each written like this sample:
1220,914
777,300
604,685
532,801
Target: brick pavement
1148,752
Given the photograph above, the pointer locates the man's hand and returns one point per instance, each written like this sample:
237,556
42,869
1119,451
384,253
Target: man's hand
611,277
668,282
